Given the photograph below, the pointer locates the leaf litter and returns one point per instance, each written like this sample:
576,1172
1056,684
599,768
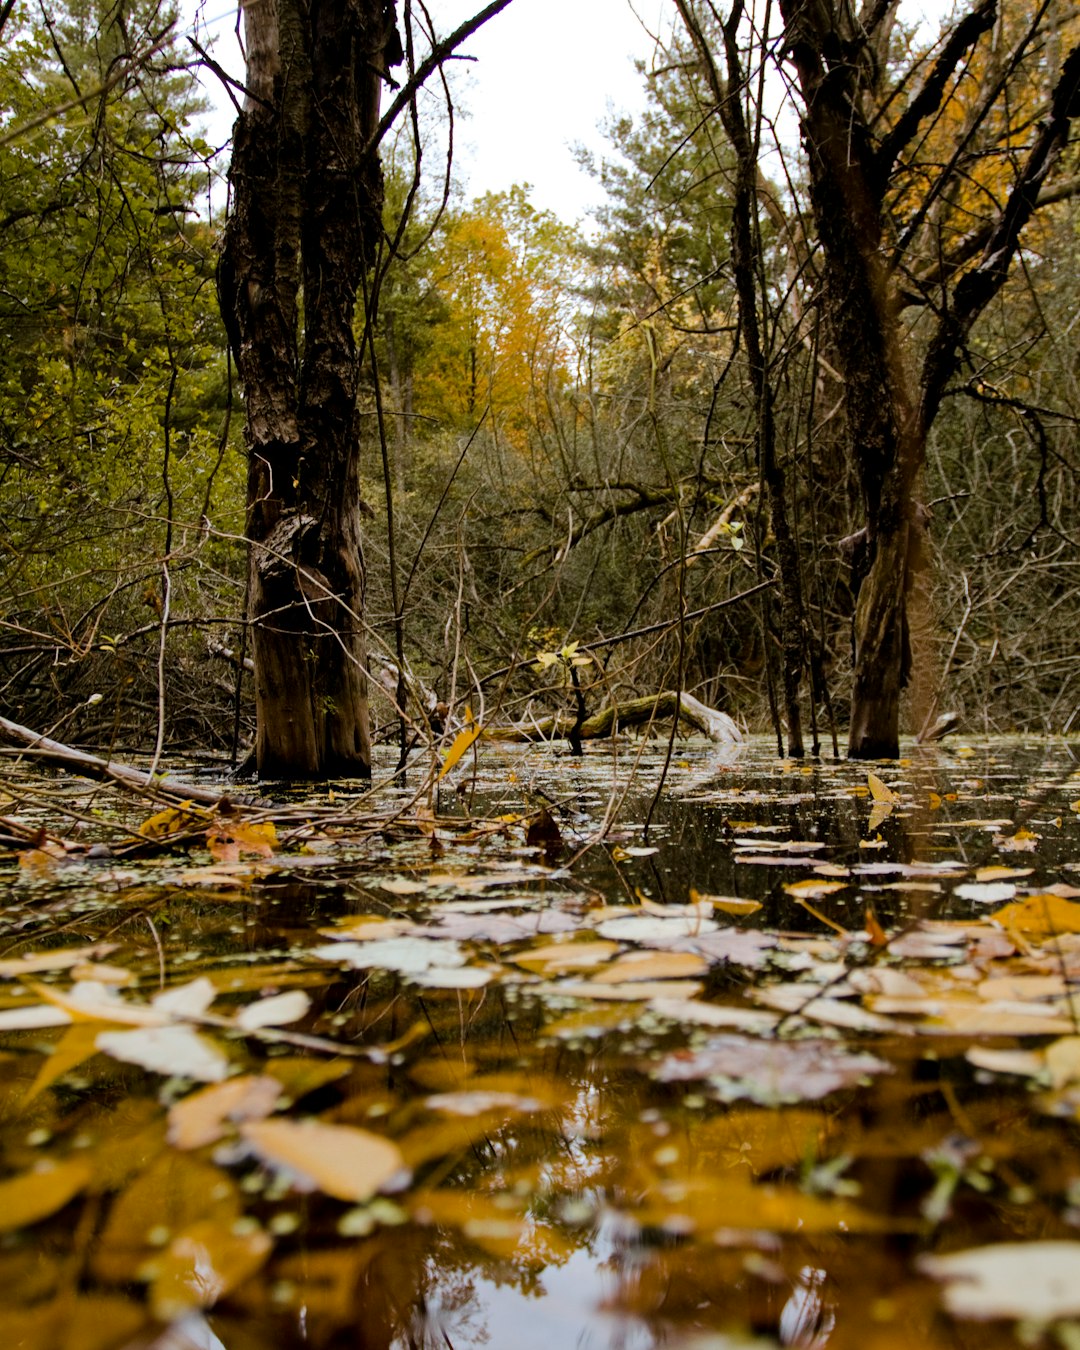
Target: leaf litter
434,1032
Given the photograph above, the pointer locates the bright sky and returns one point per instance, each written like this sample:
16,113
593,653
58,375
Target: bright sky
546,73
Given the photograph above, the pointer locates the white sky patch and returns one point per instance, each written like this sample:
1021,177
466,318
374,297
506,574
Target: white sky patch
546,75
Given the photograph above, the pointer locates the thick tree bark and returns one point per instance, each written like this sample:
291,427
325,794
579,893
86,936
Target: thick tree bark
305,221
888,412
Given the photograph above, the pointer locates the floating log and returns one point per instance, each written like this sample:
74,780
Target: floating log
93,766
636,712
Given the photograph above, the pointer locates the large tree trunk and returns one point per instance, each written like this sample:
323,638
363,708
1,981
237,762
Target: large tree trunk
305,220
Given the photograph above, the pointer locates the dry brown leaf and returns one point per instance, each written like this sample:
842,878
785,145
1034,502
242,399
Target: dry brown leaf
727,904
203,1117
651,965
340,1160
1038,917
560,956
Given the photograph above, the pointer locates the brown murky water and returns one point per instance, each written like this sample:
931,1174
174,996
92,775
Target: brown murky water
413,1083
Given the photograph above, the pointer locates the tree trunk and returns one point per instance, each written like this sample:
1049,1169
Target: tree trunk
305,220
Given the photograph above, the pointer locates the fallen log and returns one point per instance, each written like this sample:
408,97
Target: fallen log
93,766
637,712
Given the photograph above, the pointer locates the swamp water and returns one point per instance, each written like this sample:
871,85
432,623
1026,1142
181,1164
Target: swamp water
799,1067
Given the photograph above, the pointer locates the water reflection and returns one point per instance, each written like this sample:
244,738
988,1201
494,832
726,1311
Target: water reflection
567,1188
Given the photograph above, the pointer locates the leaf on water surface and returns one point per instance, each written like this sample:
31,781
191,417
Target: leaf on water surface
880,791
76,1046
654,965
479,1101
768,1072
1022,1281
1023,841
497,928
813,889
91,1001
32,1196
406,955
176,820
632,992
459,977
695,1013
63,958
172,1192
985,892
203,1117
728,904
32,1018
784,845
834,1012
190,999
732,1201
879,813
276,1011
231,840
999,873
175,1051
1063,1061
398,886
77,1322
463,741
1038,917
341,1160
650,930
364,927
1023,1063
202,1264
1022,988
738,946
967,1016
560,956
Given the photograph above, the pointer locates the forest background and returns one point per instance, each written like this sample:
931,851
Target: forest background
572,425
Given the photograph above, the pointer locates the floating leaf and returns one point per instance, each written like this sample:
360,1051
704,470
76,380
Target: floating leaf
340,1160
202,1264
694,1013
186,1000
985,892
202,1118
880,791
277,1011
231,840
462,742
561,956
404,954
727,904
175,820
650,930
662,965
633,991
813,888
62,958
1038,917
176,1051
1029,1281
768,1071
33,1196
